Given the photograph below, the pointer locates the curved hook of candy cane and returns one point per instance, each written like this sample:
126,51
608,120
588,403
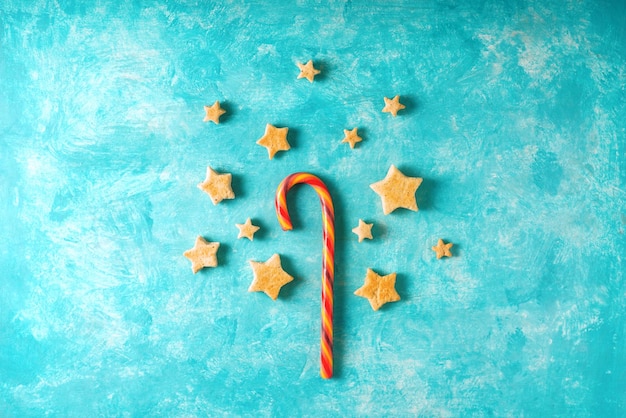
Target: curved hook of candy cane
328,256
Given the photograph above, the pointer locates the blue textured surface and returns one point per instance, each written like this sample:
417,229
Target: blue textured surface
515,119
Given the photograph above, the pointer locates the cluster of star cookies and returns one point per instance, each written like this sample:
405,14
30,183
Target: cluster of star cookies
396,190
275,139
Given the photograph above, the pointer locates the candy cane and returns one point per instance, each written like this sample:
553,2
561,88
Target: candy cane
328,258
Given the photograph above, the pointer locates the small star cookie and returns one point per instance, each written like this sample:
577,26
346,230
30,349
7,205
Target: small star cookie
442,250
247,230
274,139
351,137
307,71
217,186
378,289
203,254
269,277
393,105
364,230
213,113
397,190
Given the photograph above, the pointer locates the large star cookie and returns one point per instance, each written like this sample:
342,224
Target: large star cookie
378,289
397,190
217,186
203,254
274,139
269,277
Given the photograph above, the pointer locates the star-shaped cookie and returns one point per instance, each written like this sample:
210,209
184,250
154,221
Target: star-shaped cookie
442,250
307,71
269,277
393,105
364,230
274,139
378,289
217,186
397,190
213,113
203,254
247,230
351,137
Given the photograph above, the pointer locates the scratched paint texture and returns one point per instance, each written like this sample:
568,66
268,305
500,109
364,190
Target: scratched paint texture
515,119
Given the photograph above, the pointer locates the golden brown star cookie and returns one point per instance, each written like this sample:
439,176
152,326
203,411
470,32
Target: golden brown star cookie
307,71
442,250
393,106
397,190
364,230
378,289
247,230
203,254
213,112
217,186
269,277
351,137
274,139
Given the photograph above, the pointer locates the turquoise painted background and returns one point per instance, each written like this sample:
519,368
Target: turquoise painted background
515,119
